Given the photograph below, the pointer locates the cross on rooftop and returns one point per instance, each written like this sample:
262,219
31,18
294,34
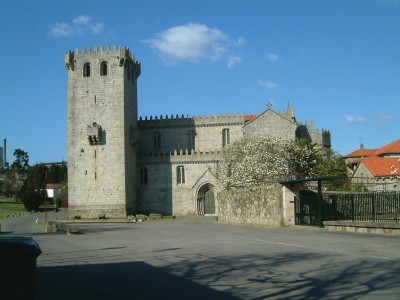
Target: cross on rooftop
269,105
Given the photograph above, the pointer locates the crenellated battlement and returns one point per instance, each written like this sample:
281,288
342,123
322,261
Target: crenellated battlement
315,135
123,51
194,120
123,55
181,156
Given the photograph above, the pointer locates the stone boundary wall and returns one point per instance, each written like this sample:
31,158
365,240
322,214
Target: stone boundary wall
364,227
256,205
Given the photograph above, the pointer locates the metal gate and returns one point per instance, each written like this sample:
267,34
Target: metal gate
306,208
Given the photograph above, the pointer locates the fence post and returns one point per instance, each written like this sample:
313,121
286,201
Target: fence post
352,207
320,214
373,212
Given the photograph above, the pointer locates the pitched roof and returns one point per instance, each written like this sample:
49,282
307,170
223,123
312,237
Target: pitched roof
360,153
380,167
392,148
53,186
248,118
252,118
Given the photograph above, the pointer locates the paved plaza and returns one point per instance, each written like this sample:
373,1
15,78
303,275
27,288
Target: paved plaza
200,258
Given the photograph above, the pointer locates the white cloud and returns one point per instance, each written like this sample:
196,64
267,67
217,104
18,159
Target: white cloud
192,42
240,41
62,30
232,61
79,26
272,57
355,120
384,117
81,20
268,84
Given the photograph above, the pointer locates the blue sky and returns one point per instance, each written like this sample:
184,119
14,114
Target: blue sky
337,62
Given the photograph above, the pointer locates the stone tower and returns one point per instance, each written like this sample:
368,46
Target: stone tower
102,131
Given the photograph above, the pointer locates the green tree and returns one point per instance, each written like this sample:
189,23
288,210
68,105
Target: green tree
57,173
21,164
331,163
53,175
63,196
63,172
32,193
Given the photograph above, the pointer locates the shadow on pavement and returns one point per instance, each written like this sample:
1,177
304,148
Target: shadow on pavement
131,280
196,276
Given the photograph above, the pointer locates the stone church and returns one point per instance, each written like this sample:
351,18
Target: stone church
119,164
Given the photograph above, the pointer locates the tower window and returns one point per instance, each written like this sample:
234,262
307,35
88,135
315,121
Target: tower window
157,141
128,72
86,70
180,174
191,139
143,176
226,137
103,68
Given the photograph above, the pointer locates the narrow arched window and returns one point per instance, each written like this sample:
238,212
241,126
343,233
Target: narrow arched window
226,137
180,174
128,72
157,140
191,140
86,70
103,68
143,176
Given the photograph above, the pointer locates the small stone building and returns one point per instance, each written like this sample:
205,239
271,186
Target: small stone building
376,169
119,164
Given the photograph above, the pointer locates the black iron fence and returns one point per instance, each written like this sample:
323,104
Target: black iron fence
341,206
367,207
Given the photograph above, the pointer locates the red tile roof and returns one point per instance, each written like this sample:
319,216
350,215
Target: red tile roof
53,186
392,148
248,118
379,166
360,153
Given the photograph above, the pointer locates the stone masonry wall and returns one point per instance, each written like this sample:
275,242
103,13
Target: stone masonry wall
162,194
257,205
271,123
174,133
101,173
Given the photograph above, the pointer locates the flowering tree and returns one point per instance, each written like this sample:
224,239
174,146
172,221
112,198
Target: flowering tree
303,158
257,160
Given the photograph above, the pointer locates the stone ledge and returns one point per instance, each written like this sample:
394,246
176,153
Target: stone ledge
363,224
98,221
364,227
52,226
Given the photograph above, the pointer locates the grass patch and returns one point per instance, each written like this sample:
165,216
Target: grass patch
12,206
3,215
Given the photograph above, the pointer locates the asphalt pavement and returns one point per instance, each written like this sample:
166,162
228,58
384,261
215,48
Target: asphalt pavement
201,258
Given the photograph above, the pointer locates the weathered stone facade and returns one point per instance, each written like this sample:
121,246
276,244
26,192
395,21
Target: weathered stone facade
257,205
166,164
102,118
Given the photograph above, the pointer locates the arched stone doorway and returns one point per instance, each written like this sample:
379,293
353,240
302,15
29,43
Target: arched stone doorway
205,204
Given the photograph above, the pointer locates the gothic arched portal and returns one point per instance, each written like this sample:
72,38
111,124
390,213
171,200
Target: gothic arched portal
205,204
